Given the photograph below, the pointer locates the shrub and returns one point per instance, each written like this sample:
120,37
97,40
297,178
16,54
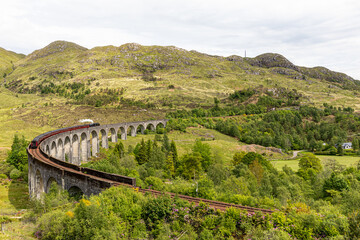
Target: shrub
354,226
160,130
5,167
155,211
3,176
274,233
15,174
154,183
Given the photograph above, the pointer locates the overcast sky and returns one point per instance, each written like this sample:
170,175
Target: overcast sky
307,32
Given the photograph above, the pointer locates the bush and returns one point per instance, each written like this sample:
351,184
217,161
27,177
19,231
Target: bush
3,176
154,183
15,174
5,167
160,130
354,226
156,210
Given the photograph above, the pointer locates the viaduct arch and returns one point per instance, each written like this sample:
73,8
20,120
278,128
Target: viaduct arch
58,158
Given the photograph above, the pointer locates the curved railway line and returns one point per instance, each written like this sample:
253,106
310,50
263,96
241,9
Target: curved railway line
109,180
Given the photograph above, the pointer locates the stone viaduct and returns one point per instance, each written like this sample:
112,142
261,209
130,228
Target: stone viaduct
58,158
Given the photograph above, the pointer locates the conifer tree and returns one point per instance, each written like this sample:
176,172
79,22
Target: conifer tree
173,152
141,153
166,143
119,149
170,164
149,149
17,156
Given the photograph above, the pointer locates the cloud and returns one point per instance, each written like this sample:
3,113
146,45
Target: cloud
309,33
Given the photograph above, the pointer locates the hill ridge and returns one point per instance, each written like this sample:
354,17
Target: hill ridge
53,48
149,69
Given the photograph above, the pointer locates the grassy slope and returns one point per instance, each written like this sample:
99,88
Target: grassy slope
7,60
31,114
198,77
11,123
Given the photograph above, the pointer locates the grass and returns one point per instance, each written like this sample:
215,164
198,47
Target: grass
14,197
31,115
347,161
279,164
18,230
7,58
14,200
11,122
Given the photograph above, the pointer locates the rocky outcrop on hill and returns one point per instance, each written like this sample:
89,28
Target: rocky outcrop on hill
280,65
326,74
270,60
55,47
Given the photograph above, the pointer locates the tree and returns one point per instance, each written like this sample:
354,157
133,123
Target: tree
166,143
340,150
217,173
170,165
336,182
238,157
205,188
250,157
256,168
191,164
355,144
156,159
205,151
149,149
17,156
312,145
309,161
216,102
332,150
141,154
173,152
119,149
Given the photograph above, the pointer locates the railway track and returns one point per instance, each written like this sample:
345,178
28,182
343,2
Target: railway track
212,204
36,153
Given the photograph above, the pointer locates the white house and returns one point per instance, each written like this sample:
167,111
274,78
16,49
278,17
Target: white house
347,145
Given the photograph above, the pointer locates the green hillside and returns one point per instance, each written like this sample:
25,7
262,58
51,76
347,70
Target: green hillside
7,61
169,76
